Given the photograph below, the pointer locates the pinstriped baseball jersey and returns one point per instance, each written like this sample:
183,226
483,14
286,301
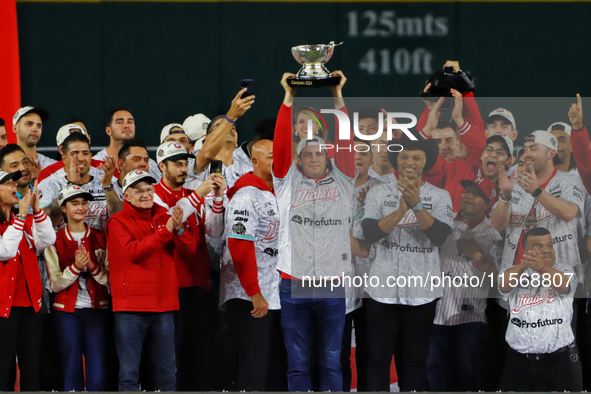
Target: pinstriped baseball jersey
540,317
461,305
314,218
406,251
252,215
565,186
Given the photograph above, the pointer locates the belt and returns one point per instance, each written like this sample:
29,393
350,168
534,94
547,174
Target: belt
542,356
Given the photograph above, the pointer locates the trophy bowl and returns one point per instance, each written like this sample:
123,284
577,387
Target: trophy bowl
312,58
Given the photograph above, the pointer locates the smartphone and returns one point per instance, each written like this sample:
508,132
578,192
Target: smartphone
215,167
249,85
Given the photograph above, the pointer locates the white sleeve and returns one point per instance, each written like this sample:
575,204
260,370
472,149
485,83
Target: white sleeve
214,220
10,240
43,232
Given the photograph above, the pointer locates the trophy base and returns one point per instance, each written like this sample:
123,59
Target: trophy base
313,83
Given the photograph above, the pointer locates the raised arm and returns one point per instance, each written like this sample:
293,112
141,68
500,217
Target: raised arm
344,155
282,142
580,141
501,214
217,138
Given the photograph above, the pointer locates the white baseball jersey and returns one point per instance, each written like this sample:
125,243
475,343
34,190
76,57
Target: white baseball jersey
314,218
382,178
406,251
231,174
154,169
50,188
44,161
252,215
461,304
540,317
564,186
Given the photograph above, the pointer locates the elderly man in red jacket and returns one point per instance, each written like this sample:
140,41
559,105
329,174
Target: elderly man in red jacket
141,240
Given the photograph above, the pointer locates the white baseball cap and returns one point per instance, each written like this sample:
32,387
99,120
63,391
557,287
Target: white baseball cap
198,144
503,113
166,131
73,191
502,138
560,126
196,126
66,130
542,137
136,176
30,110
307,142
172,150
7,176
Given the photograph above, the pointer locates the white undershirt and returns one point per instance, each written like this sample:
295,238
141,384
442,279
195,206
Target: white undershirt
83,300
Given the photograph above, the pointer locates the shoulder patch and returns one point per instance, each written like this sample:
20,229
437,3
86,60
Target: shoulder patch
239,228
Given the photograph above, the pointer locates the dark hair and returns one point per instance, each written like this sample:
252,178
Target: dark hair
74,119
520,153
127,145
8,149
362,141
111,112
74,137
442,124
534,232
2,122
210,125
3,217
369,113
265,129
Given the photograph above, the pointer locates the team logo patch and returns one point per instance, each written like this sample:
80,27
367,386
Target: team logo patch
239,229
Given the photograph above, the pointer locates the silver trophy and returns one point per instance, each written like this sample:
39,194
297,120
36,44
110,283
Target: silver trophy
312,58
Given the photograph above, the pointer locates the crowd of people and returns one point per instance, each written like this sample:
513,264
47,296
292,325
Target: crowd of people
206,269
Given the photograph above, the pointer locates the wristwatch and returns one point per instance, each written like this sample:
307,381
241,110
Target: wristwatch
108,188
537,192
505,199
417,207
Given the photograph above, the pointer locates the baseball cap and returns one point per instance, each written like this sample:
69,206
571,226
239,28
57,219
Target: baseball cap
503,113
196,126
30,110
198,144
66,130
560,126
7,176
484,185
172,151
542,137
134,177
72,191
307,142
502,138
166,131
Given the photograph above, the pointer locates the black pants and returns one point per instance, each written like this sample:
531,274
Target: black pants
193,339
550,373
407,327
21,331
358,320
495,347
251,340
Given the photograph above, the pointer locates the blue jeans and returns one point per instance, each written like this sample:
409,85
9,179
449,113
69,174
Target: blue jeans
131,329
83,332
299,318
454,357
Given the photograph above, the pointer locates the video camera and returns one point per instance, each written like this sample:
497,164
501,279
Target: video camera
446,79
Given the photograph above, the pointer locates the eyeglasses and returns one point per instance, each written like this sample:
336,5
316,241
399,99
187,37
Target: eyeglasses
138,193
499,152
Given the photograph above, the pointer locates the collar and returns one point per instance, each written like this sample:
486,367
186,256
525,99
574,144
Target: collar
68,182
141,213
470,223
543,186
20,196
69,234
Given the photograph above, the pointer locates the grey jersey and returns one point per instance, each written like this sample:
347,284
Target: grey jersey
406,251
154,169
314,218
252,215
382,178
44,161
563,185
50,188
540,317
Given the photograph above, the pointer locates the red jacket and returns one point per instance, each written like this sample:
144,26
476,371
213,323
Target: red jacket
23,249
192,270
582,153
141,259
63,273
